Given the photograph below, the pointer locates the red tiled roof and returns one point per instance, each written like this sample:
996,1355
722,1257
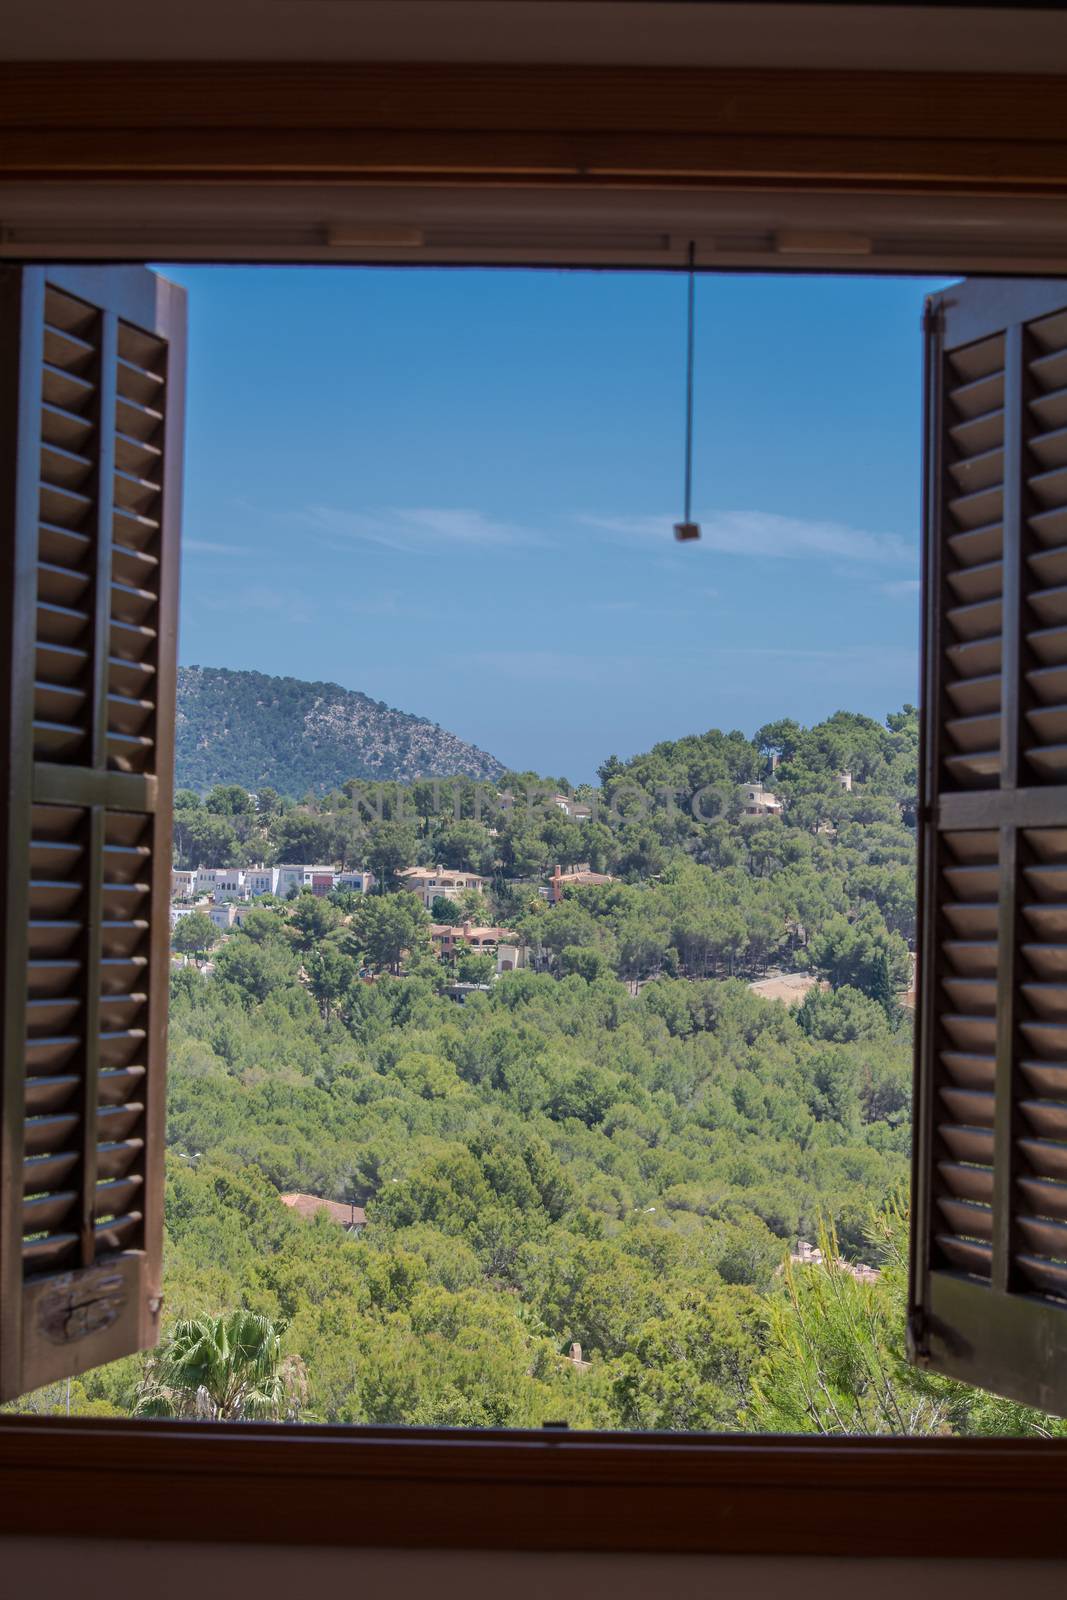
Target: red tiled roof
306,1205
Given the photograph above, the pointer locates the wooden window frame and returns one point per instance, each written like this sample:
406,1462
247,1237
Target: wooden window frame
557,129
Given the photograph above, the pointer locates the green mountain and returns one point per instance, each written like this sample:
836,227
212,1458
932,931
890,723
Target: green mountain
251,729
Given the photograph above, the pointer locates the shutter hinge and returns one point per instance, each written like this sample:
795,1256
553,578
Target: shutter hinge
917,1338
933,317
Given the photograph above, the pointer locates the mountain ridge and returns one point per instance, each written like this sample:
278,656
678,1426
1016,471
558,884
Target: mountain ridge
295,735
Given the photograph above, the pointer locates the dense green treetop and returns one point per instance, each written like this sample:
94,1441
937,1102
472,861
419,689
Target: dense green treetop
618,1147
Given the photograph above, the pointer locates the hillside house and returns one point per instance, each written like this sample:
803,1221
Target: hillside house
230,884
356,880
577,810
351,1217
760,802
178,912
432,883
182,884
261,880
503,944
578,877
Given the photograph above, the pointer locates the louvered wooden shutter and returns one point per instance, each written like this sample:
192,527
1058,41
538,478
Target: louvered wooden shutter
91,383
989,1246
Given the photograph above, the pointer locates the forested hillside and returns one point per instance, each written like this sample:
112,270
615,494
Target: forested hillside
283,733
619,1149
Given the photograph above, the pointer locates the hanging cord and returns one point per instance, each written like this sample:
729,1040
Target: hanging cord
688,529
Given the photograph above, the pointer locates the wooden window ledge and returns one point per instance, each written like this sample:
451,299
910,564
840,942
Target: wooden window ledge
272,1483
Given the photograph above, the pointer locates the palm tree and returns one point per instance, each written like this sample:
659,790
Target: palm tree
226,1369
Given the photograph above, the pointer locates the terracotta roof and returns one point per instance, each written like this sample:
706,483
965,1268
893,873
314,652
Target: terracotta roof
446,873
440,930
306,1205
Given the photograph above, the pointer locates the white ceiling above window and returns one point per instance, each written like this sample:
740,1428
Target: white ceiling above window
766,230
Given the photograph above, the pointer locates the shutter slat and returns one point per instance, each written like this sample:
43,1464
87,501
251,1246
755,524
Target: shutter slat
1047,1118
967,1220
968,1183
974,957
1049,527
1044,1197
1047,1000
968,1144
1046,1158
971,696
968,1071
1048,1277
978,546
969,1254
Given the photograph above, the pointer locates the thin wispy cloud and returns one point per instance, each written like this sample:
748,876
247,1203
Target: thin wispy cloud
532,666
858,657
770,535
281,602
216,548
901,588
421,529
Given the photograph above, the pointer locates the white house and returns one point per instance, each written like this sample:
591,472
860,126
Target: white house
318,879
577,810
760,802
261,880
289,877
355,880
182,884
230,884
223,915
178,912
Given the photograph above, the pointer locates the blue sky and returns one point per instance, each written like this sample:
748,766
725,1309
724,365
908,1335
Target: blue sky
454,490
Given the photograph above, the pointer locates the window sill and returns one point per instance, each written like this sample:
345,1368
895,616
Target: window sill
532,1491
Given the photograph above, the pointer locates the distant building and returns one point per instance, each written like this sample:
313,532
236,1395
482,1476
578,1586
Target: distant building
261,880
230,884
178,912
809,1255
760,802
844,781
432,883
503,944
356,880
319,879
182,884
578,877
574,1356
223,914
289,877
576,809
352,1218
